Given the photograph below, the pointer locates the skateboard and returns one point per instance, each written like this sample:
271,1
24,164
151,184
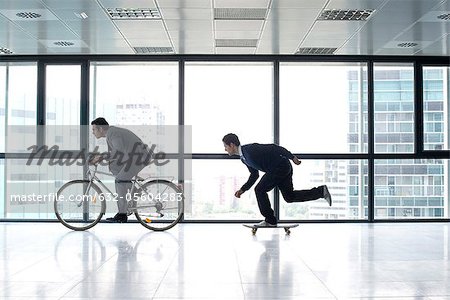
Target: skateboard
287,227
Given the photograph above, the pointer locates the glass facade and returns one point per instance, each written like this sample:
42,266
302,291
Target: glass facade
436,99
323,107
134,93
322,111
406,188
232,97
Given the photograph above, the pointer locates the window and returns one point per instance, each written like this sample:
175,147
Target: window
415,188
63,106
213,187
228,97
18,93
323,107
221,98
345,182
394,108
436,101
134,93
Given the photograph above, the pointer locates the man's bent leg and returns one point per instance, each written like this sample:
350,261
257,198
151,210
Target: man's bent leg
265,185
290,195
122,188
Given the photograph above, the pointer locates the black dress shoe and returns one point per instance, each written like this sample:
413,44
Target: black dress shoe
118,218
327,195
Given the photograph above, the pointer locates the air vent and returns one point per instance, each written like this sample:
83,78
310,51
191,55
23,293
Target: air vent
133,13
236,43
28,15
444,17
153,50
5,51
63,44
240,13
345,14
407,45
316,51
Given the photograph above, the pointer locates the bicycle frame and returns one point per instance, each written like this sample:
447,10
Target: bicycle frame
92,177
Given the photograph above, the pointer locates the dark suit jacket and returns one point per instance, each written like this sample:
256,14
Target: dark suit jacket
262,157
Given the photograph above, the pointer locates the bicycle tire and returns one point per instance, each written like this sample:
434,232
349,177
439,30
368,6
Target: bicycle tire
171,215
78,219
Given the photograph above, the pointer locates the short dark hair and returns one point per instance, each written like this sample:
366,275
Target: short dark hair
231,138
101,122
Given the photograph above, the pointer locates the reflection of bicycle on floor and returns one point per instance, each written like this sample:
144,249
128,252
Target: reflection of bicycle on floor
157,204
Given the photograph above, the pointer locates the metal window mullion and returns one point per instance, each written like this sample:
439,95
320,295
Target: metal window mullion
371,141
276,127
181,137
418,111
41,109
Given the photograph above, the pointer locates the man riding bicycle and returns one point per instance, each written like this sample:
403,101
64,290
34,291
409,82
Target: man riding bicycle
127,156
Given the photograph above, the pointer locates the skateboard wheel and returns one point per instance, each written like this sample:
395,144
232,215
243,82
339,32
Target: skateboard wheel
254,231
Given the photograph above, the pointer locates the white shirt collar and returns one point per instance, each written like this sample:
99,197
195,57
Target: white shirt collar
240,150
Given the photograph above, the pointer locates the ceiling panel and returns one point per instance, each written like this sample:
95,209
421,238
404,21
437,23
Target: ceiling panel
184,3
190,35
71,4
355,4
127,3
237,34
425,31
190,27
334,29
241,4
293,14
151,29
95,13
299,3
230,25
319,43
155,42
277,47
187,13
235,50
440,47
21,4
46,29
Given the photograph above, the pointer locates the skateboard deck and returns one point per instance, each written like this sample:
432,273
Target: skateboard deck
287,227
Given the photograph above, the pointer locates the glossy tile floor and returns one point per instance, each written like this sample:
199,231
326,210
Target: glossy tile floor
204,261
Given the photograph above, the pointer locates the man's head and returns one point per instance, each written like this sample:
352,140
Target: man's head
99,127
231,143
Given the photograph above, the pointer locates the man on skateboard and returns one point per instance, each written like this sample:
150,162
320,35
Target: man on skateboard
273,160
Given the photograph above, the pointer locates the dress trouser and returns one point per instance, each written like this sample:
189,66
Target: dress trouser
123,184
281,177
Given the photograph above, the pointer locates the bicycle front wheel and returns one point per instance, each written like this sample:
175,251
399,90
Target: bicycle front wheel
79,204
159,205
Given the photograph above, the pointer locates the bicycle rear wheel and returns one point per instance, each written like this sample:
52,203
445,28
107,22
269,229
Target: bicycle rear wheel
79,205
160,205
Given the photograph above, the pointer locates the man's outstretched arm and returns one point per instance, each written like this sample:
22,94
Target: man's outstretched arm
254,175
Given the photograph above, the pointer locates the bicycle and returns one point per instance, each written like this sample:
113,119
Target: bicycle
157,204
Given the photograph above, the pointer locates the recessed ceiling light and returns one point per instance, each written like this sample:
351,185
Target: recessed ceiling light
445,17
81,15
63,43
236,42
407,45
153,50
315,51
240,13
345,14
28,15
5,51
133,13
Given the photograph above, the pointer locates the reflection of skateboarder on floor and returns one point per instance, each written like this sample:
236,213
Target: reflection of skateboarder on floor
273,160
